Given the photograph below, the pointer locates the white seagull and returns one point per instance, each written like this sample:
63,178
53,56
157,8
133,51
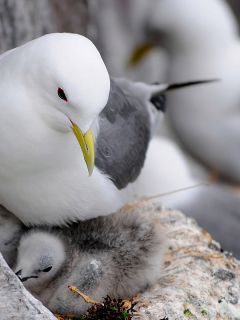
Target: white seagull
55,86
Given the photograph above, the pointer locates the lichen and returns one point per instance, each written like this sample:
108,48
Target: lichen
187,313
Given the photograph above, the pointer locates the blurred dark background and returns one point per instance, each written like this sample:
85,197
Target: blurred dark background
24,20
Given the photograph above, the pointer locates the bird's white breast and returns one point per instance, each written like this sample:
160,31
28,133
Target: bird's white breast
45,179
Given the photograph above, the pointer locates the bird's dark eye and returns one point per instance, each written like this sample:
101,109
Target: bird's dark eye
61,94
47,269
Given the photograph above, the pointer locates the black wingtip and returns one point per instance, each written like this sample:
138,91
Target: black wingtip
190,83
158,99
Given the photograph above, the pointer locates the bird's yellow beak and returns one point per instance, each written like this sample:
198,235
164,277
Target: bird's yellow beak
87,145
138,53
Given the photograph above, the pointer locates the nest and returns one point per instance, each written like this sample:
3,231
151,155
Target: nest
199,280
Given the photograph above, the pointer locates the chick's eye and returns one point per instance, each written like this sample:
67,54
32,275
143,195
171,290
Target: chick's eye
47,269
61,94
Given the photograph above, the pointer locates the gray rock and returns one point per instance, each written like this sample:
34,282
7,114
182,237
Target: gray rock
199,280
16,302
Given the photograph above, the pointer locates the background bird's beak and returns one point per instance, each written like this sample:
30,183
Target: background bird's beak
87,145
139,52
19,275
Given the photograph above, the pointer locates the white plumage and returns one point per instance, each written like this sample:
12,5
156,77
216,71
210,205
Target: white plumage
40,257
42,167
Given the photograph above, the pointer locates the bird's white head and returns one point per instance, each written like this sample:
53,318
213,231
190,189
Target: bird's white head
40,256
67,84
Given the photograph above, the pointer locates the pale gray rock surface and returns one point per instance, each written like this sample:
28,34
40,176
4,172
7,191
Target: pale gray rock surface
16,302
199,281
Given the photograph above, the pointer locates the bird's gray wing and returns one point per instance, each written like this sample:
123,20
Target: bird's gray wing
123,137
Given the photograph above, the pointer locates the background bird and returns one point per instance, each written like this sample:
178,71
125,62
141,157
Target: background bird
61,86
199,45
116,27
117,255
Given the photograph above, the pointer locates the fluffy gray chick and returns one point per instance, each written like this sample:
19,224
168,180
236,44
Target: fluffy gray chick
118,255
11,229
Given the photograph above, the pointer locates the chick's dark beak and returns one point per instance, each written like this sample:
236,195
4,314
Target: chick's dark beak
26,278
19,275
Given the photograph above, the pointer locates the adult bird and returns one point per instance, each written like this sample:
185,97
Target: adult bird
55,86
201,37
